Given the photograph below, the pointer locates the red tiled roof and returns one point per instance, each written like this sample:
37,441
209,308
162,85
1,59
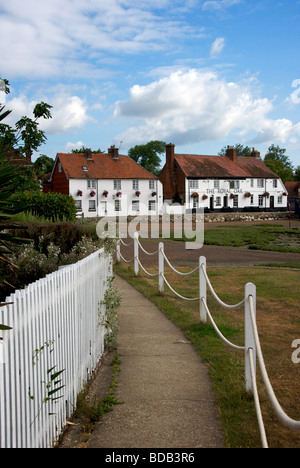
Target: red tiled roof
223,167
292,188
102,166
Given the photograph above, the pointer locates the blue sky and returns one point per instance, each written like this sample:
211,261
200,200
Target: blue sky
200,74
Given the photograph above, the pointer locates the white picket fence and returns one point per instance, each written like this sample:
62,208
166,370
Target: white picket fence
56,342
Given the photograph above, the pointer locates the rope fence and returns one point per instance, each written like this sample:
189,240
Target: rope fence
252,347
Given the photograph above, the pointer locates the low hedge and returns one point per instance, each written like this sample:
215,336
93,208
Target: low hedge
52,206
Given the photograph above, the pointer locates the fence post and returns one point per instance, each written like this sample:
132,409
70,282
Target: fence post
161,266
202,290
136,253
250,290
118,252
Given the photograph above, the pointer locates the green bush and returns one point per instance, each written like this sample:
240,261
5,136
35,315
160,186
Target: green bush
52,206
64,235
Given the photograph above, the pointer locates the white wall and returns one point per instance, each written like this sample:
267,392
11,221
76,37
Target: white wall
105,205
208,188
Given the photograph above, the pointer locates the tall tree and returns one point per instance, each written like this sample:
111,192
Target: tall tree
26,137
279,162
43,165
148,155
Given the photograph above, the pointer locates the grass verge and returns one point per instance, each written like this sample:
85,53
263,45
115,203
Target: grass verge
278,324
254,236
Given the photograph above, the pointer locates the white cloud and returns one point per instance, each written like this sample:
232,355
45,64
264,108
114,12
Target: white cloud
49,39
68,112
70,146
193,106
217,46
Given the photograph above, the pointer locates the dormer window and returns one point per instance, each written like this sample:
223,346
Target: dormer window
85,168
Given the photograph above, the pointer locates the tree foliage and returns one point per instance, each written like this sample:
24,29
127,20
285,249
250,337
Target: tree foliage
148,155
241,150
43,165
9,180
26,137
83,149
279,162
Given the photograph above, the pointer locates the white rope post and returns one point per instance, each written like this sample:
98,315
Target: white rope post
202,290
250,291
161,267
118,251
136,253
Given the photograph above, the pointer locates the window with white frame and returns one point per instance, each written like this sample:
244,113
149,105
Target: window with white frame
252,200
151,205
91,184
260,183
78,204
136,205
194,184
117,184
251,182
135,184
234,184
216,184
59,167
92,205
117,205
236,201
280,200
151,184
275,183
260,200
218,201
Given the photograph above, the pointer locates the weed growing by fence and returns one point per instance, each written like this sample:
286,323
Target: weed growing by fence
90,414
112,300
52,384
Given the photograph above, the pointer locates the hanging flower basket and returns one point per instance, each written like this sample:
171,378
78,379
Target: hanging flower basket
105,193
79,193
195,195
266,194
248,195
284,194
119,194
232,196
93,193
205,197
154,194
138,193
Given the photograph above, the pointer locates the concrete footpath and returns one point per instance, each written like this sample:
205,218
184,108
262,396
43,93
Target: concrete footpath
164,386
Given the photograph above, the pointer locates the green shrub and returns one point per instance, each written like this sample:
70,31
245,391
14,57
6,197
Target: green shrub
52,206
64,235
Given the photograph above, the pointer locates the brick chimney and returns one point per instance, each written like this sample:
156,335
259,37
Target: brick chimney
114,151
255,154
170,156
88,154
231,153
